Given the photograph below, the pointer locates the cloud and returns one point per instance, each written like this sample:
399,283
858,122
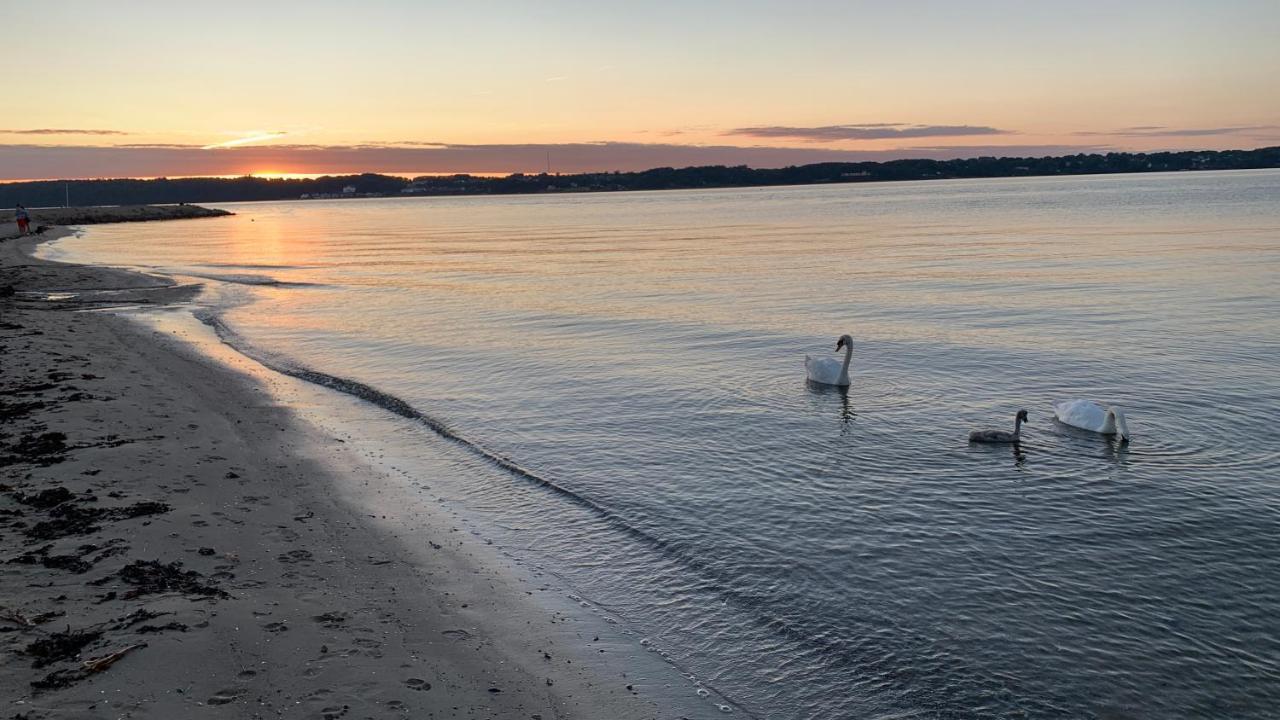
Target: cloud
1162,131
62,131
50,161
253,138
865,131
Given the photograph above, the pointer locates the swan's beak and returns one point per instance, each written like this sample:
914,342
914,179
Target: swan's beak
839,344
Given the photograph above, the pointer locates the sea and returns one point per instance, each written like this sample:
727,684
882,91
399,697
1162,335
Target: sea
612,386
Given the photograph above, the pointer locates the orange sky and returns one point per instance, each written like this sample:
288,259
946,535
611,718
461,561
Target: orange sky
147,88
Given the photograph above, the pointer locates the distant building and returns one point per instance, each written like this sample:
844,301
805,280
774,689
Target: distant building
349,190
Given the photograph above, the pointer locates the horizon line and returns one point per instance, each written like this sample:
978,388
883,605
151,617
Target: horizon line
274,175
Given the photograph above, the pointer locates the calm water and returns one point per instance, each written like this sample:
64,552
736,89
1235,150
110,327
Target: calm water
635,362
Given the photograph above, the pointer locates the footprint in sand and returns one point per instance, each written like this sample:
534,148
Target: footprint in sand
417,684
224,697
296,556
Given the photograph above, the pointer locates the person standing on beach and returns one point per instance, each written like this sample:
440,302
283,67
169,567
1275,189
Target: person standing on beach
24,220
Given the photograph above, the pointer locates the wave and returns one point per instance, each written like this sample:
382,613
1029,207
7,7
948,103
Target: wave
246,279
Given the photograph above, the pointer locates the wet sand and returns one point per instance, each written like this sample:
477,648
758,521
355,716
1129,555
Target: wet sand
179,544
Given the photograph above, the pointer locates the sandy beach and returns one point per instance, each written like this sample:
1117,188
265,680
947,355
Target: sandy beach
180,544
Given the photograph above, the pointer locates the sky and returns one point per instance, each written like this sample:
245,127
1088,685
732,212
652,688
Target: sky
143,89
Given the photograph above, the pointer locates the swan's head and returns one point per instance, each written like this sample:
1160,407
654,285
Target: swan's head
1021,417
1122,428
844,341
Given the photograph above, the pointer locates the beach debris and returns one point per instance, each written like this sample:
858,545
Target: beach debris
45,499
59,646
149,507
44,449
14,617
102,663
41,556
68,519
150,577
59,679
11,411
175,625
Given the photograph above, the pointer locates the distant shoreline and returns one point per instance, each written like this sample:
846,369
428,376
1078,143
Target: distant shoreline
61,216
124,191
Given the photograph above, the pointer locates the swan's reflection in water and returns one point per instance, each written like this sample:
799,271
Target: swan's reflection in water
1019,457
1017,449
1085,443
847,415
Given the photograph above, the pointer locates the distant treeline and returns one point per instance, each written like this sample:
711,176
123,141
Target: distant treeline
213,190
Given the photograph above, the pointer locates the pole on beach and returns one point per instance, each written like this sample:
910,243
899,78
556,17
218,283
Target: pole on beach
67,187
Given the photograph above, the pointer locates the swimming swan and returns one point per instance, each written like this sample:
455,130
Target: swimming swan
829,371
1000,436
1092,416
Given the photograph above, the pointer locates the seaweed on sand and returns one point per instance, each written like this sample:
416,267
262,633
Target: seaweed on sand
152,576
59,646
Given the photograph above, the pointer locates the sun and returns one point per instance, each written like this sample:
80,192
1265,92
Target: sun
281,175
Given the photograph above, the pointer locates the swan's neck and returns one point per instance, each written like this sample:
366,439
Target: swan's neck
1017,425
1117,425
844,369
1109,425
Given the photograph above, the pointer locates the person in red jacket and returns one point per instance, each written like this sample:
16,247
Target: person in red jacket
24,220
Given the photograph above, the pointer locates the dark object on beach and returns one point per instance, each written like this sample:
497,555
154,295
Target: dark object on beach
151,576
45,499
99,664
68,519
139,509
7,291
59,679
59,646
44,449
207,551
148,629
13,617
41,556
41,229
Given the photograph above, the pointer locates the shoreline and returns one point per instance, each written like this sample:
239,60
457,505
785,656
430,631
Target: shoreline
199,544
60,217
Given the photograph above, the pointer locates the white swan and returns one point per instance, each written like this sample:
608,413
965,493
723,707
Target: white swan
829,371
1001,436
1092,416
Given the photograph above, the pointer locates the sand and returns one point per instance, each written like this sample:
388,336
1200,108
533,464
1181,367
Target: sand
176,543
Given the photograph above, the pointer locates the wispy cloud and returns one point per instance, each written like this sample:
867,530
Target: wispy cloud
1163,131
558,78
864,131
254,138
62,131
